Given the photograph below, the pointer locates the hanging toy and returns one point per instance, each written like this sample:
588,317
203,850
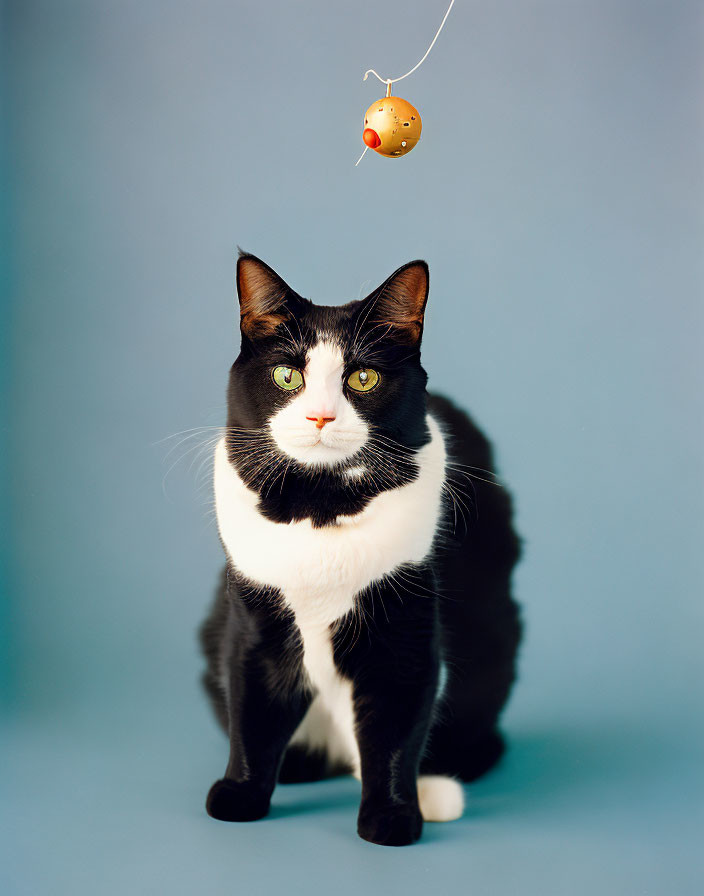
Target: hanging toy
392,125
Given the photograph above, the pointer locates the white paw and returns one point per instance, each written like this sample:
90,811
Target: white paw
441,798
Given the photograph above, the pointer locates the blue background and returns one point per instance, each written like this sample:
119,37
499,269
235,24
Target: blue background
557,194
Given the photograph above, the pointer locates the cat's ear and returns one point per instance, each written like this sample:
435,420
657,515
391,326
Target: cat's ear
399,303
262,294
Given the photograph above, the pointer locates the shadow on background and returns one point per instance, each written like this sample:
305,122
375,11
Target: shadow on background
546,769
541,771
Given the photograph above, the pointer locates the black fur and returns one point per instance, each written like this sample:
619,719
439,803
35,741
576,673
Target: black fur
457,604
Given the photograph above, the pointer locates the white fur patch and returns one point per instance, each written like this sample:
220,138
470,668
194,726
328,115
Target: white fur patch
441,798
321,396
328,724
319,571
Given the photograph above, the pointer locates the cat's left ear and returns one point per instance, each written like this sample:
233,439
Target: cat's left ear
263,297
399,303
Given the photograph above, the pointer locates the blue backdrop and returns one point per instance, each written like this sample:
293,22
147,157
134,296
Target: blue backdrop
557,194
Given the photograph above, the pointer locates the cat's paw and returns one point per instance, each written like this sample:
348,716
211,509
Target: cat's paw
230,800
396,826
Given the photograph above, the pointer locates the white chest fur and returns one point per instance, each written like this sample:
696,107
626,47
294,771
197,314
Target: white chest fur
319,571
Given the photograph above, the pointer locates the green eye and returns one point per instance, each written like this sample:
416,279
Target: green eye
363,380
287,378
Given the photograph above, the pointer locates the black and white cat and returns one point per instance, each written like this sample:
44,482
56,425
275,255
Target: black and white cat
365,622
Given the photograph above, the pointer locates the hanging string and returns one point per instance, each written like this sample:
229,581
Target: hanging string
361,157
389,81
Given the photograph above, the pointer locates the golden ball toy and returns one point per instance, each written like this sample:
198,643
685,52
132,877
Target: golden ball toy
392,126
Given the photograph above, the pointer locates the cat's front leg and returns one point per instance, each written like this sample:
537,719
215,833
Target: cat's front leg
266,700
394,690
392,726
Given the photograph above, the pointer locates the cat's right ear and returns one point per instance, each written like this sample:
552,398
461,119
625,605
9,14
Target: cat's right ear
262,294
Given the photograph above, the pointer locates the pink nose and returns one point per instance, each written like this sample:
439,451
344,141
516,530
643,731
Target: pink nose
320,421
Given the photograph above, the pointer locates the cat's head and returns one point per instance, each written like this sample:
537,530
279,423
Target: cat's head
326,386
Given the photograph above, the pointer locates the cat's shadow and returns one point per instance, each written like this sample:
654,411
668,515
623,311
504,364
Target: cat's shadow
549,769
323,796
541,770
